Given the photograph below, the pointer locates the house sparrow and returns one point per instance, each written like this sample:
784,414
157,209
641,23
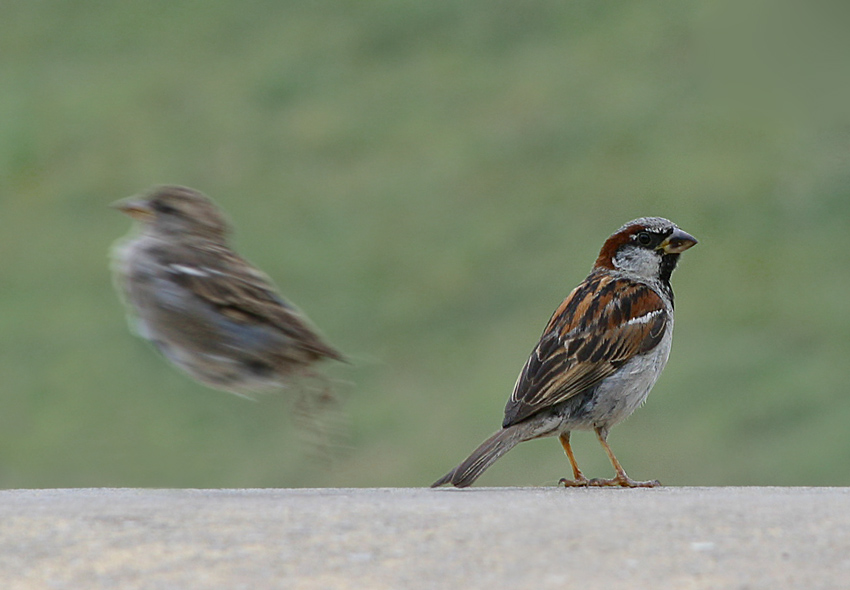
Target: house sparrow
204,307
600,354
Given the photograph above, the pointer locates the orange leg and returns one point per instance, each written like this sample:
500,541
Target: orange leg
579,480
621,478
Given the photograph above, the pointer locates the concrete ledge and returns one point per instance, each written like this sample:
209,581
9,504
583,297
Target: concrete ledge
420,538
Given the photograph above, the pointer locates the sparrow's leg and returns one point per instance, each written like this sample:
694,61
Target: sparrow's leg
579,480
621,479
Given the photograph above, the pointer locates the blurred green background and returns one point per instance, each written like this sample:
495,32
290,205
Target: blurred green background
428,180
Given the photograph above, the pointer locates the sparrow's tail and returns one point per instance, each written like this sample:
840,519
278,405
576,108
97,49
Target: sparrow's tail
485,455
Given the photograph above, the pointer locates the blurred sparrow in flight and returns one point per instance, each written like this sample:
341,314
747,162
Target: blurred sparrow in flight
600,354
204,307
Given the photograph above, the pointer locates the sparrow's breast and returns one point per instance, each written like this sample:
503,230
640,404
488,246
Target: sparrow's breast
623,392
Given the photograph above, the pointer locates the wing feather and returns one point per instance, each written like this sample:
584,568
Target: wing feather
243,293
599,327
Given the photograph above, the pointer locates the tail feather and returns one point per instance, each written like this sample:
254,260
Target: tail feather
485,455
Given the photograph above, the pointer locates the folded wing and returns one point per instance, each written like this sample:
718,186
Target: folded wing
599,327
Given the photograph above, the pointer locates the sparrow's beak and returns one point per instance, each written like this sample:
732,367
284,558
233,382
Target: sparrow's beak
677,242
135,208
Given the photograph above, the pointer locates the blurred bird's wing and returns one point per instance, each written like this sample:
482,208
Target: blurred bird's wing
602,324
241,292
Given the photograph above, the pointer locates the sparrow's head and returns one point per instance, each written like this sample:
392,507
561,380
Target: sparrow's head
648,248
176,211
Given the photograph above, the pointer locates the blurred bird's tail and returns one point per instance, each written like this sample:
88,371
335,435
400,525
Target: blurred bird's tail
485,455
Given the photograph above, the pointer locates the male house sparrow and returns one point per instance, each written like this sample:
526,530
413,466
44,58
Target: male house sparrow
207,309
600,354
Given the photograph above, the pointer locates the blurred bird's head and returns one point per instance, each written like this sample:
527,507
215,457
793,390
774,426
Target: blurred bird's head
176,211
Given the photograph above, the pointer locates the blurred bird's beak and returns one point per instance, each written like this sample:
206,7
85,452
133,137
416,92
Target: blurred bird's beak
677,242
135,208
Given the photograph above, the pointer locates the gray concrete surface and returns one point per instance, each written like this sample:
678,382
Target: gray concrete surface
536,538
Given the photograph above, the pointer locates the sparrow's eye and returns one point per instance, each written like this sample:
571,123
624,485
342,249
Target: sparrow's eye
164,208
644,239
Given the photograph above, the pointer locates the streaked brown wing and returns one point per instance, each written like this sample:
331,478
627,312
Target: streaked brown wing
602,324
243,293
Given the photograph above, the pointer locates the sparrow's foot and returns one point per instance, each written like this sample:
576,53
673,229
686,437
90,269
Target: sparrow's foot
623,481
579,482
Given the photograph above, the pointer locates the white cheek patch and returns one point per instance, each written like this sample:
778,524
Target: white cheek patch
639,261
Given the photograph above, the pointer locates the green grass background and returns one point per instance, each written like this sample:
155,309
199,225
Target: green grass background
428,180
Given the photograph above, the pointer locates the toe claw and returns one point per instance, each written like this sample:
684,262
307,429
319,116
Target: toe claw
623,482
581,482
